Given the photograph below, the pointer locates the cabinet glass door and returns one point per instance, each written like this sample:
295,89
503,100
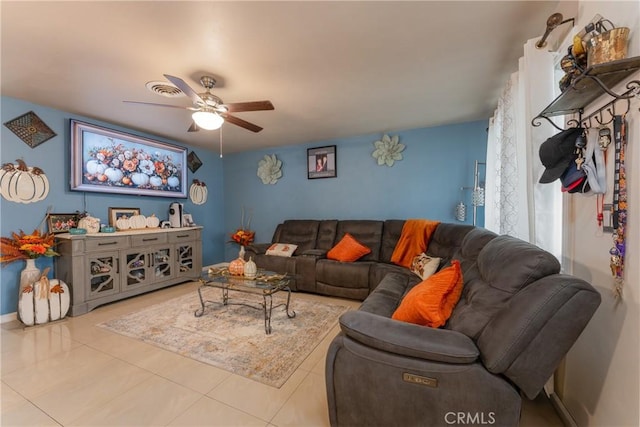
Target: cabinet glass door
148,266
185,259
136,268
103,274
162,263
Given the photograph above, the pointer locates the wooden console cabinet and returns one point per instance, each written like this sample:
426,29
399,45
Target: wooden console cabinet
106,267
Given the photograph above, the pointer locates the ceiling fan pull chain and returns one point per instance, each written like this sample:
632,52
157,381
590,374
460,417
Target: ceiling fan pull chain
220,141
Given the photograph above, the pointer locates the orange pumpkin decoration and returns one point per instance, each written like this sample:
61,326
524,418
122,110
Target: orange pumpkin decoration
236,267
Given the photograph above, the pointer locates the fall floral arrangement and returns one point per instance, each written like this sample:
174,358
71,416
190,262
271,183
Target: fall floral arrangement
243,235
26,246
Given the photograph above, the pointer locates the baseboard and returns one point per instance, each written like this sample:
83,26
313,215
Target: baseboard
9,317
562,411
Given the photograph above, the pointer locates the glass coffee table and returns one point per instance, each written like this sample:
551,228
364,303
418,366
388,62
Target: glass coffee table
265,284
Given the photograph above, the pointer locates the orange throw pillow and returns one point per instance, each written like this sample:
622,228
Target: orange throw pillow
431,302
348,249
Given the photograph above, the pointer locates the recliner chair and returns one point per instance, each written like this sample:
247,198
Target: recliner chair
516,320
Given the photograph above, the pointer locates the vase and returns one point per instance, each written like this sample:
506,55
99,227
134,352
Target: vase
29,275
241,252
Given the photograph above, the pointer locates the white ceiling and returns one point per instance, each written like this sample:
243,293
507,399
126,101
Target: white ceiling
331,69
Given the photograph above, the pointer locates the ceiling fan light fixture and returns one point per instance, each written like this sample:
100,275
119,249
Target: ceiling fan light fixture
207,120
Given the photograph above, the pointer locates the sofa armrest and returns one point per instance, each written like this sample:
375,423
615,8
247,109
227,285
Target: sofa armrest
318,253
392,336
258,248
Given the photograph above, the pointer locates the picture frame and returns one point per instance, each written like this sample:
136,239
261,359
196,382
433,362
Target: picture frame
62,222
187,220
322,162
109,161
116,213
193,161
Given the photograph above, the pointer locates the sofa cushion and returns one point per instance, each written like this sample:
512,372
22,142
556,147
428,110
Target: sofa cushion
300,232
424,266
348,249
392,229
431,302
503,267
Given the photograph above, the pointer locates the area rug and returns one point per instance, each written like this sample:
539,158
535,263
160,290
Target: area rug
233,337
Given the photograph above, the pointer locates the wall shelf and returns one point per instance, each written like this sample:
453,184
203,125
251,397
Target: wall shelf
596,81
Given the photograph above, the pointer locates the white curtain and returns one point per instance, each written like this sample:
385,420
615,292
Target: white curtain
516,204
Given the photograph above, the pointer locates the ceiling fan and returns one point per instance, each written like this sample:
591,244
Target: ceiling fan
209,112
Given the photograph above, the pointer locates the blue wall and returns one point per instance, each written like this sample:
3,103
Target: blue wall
425,184
53,156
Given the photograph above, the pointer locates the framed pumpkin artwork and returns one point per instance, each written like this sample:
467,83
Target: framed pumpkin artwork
108,161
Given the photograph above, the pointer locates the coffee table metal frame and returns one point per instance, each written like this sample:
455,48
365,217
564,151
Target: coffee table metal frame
267,288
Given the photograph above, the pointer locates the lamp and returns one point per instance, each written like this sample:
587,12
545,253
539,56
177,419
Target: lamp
207,119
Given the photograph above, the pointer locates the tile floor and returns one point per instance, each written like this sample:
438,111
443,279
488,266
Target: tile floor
72,373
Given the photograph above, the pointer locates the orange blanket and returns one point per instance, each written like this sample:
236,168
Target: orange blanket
414,240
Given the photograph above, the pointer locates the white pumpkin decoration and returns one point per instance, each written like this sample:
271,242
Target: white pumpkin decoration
140,178
173,181
94,167
153,221
155,181
43,301
138,221
123,223
22,184
113,174
198,192
250,269
89,223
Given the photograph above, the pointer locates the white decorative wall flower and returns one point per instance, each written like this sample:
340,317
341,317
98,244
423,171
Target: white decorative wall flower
269,169
388,150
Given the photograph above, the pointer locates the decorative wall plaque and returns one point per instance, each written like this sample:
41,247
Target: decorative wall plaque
30,129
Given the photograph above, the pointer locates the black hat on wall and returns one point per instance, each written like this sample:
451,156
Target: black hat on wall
557,152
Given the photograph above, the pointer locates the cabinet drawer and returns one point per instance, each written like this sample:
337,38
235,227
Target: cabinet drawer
183,236
148,239
106,243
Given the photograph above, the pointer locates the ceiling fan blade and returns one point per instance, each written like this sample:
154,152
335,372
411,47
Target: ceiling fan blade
236,107
183,86
242,123
194,127
161,105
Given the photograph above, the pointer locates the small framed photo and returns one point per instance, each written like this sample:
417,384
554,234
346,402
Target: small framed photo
193,161
321,162
61,222
187,220
116,213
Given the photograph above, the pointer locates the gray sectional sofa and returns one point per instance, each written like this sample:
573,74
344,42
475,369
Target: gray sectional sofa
313,272
516,319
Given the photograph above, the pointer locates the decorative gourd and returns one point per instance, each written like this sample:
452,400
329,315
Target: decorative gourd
153,221
43,301
173,181
22,184
155,181
250,269
123,223
236,267
198,192
138,221
89,223
140,178
113,174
